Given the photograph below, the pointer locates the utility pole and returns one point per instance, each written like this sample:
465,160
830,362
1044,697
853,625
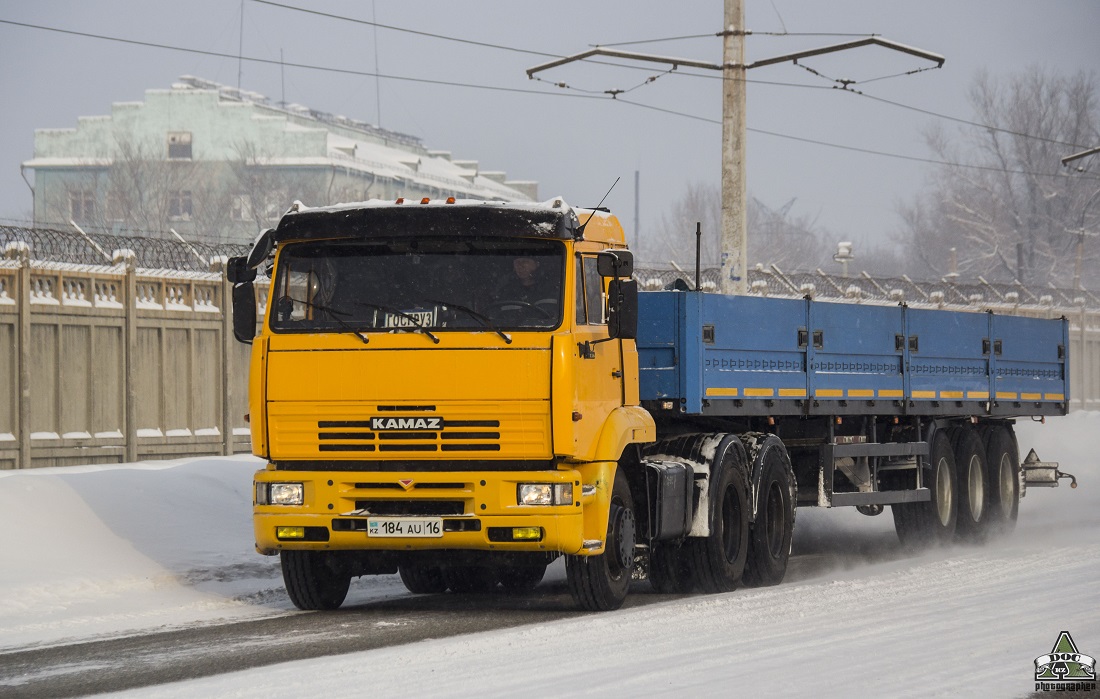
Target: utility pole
732,275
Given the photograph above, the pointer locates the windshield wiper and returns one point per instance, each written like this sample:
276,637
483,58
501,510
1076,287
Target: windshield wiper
484,320
411,318
335,314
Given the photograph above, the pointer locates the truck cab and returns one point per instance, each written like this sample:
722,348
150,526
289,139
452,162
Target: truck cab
438,389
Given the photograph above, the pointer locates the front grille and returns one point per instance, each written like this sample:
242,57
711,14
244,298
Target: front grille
356,436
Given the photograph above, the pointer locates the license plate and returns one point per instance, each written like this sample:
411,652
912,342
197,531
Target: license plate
423,527
424,319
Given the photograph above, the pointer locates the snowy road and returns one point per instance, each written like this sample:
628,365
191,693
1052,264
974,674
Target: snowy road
164,549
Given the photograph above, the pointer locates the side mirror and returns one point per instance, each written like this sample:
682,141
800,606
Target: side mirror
618,264
622,309
237,271
261,248
244,312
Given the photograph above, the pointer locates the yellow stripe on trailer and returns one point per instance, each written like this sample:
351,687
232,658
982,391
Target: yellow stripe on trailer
1031,396
924,394
829,393
722,392
977,395
951,395
1056,396
861,393
759,392
891,393
792,393
1006,395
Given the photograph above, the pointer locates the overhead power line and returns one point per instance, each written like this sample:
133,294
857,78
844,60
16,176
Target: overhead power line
496,88
857,149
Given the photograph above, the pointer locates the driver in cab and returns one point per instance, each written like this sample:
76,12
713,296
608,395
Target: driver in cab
528,286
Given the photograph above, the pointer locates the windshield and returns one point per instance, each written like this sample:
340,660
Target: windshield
419,284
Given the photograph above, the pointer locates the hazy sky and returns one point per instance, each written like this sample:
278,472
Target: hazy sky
574,145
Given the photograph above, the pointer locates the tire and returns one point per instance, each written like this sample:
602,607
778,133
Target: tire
717,562
670,569
773,529
520,578
973,474
923,524
600,583
1003,462
422,579
470,579
315,579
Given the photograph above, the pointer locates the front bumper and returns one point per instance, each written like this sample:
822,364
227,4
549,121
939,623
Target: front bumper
478,511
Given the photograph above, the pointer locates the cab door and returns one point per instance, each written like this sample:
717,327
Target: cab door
597,361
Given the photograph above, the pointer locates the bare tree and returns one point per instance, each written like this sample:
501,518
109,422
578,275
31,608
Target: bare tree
775,236
145,190
1006,203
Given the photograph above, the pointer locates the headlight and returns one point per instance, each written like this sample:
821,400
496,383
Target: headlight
544,494
279,494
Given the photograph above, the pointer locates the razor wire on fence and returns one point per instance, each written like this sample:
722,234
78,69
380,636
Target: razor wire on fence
70,246
54,245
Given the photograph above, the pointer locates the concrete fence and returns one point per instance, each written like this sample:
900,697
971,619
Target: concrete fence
106,364
118,363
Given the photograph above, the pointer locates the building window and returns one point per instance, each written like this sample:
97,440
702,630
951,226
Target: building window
241,208
82,204
179,145
179,205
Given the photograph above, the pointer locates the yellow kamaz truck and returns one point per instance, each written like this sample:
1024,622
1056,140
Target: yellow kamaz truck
462,392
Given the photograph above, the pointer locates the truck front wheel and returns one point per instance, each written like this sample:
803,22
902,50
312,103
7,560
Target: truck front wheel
600,583
315,579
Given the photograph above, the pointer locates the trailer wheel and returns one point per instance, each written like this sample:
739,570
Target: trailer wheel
974,497
520,578
717,562
470,579
670,568
773,530
423,579
600,583
315,579
1003,461
921,524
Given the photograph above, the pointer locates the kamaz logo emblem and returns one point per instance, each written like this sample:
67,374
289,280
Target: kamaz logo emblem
380,424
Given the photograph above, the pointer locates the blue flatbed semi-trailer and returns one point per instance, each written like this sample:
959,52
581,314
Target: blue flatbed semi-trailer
736,355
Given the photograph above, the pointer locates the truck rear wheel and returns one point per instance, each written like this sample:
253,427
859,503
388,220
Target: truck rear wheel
315,579
973,485
922,524
423,579
1003,461
600,583
773,530
717,562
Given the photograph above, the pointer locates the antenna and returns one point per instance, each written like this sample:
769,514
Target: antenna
580,231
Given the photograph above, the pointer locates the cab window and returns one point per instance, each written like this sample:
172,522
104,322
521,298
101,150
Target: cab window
591,300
